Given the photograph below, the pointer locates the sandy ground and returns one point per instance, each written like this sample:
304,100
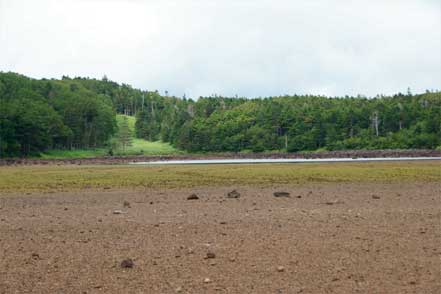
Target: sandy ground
325,238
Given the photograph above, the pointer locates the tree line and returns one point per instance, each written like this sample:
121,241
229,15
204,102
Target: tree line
38,115
295,123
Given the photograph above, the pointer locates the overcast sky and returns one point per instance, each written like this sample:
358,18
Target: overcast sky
246,47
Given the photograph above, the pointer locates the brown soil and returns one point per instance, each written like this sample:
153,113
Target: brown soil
308,155
326,238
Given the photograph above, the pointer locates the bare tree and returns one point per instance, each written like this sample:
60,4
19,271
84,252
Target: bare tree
375,122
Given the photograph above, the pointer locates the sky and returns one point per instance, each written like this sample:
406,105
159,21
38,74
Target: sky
249,48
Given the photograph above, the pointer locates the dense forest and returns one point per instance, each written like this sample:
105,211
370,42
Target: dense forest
79,113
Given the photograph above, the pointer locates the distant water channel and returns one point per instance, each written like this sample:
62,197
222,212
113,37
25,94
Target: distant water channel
282,160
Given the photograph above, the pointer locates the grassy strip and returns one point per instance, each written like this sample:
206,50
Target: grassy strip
66,178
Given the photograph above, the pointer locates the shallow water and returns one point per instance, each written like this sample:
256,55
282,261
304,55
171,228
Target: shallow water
282,160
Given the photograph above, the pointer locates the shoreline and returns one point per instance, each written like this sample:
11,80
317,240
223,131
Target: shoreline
107,160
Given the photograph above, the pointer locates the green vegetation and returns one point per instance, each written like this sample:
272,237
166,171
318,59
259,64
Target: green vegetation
307,123
66,178
140,146
137,146
125,135
80,114
75,153
36,116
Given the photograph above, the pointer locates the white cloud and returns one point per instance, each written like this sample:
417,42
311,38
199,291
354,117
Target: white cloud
249,48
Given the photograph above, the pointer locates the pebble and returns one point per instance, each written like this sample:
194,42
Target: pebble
127,263
210,255
193,197
281,194
280,269
118,212
375,197
178,290
233,194
207,280
126,204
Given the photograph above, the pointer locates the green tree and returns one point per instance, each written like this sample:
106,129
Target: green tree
125,134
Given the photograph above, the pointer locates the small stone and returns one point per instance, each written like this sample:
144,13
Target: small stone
281,194
66,208
126,204
280,269
35,256
178,290
127,263
233,194
118,212
375,197
207,280
193,197
210,255
334,202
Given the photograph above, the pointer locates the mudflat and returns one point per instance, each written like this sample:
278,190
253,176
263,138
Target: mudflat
324,237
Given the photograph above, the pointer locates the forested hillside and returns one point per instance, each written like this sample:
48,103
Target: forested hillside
79,113
309,123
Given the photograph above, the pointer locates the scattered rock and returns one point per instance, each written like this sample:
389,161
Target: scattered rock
193,197
207,280
375,197
126,204
210,255
281,194
127,263
233,194
299,196
280,269
334,202
35,256
118,212
178,290
66,208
